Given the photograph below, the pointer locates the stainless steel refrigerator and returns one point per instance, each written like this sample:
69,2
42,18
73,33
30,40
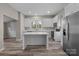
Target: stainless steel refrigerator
71,34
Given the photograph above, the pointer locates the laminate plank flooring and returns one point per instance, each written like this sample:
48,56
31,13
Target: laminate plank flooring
14,48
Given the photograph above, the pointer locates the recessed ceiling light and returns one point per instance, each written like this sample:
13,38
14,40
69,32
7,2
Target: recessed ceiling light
48,11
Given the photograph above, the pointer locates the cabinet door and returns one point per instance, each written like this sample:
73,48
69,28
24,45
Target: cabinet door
57,36
47,22
28,22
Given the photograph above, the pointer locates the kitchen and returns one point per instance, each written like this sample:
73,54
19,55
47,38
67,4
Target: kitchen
39,26
40,29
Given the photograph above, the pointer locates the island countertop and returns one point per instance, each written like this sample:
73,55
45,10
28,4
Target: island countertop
36,33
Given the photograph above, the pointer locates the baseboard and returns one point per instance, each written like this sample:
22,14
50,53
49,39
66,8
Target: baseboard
18,40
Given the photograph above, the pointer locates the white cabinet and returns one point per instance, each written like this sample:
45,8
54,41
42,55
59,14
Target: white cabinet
35,38
47,22
27,22
57,36
55,19
71,8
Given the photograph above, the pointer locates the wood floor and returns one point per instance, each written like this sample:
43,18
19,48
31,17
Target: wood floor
14,48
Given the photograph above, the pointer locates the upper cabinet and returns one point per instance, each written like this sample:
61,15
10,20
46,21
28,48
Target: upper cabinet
45,22
71,8
27,22
58,18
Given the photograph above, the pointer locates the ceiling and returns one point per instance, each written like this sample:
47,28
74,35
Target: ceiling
38,8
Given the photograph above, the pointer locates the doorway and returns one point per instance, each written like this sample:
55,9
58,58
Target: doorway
10,28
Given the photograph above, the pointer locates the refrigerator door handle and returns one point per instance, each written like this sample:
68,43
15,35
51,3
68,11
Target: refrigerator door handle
68,31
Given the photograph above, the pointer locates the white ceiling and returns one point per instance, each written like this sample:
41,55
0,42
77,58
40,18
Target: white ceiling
38,8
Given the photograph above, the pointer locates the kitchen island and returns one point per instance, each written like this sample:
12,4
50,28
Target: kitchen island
35,38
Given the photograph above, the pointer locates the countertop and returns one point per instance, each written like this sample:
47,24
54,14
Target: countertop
36,33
